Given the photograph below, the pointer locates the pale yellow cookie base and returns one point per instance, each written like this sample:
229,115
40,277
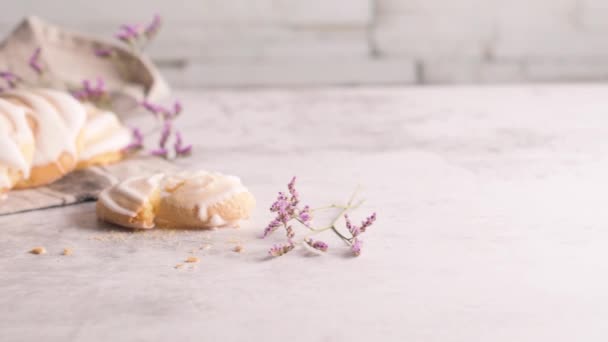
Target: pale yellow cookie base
102,159
177,215
43,175
143,220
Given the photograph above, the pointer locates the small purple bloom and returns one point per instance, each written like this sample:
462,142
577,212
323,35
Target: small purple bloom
34,61
316,244
90,92
128,33
10,78
354,230
137,140
151,107
355,247
290,232
104,52
304,215
278,250
367,222
153,28
280,204
177,108
295,197
272,227
181,150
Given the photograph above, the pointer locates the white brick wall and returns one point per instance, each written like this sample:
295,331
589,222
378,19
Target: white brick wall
299,42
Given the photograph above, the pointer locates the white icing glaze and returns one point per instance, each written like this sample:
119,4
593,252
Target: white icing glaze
70,109
128,196
51,130
14,133
202,189
103,133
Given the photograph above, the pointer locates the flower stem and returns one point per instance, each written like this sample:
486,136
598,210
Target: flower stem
332,206
345,209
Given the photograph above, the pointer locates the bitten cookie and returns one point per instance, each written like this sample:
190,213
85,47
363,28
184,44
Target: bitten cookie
131,203
185,200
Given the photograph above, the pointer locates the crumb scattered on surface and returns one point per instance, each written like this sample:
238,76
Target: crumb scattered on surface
234,240
179,265
67,251
238,249
206,246
193,259
38,250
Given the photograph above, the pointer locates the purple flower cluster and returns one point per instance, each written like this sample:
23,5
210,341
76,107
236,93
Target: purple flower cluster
316,244
135,34
167,116
278,250
286,209
90,92
9,78
179,147
162,112
104,52
355,231
152,29
34,61
137,142
129,33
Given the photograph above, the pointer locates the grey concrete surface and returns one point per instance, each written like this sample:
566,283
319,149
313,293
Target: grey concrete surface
491,226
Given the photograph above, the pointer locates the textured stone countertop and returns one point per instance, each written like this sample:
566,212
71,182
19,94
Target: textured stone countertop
492,226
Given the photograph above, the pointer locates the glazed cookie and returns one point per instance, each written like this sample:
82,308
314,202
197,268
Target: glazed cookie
202,200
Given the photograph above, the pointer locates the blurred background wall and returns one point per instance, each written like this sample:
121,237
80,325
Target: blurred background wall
301,42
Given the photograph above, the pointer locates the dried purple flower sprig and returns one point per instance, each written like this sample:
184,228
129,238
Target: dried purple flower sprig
165,117
13,80
34,61
287,209
92,93
137,36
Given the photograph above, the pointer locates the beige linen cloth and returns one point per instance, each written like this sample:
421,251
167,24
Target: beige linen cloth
67,59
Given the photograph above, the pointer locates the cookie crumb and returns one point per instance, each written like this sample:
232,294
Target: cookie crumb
206,246
238,249
179,265
192,259
67,251
38,250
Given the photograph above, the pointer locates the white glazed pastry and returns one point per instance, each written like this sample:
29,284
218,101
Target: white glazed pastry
185,200
104,138
71,110
55,133
16,145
